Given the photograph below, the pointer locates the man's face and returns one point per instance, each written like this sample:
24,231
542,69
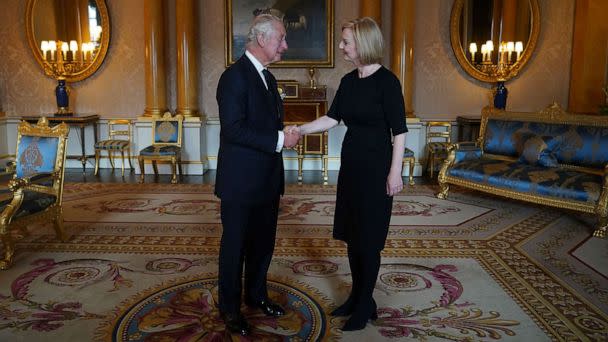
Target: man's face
274,44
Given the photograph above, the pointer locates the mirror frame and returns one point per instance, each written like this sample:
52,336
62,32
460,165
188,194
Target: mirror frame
478,74
103,48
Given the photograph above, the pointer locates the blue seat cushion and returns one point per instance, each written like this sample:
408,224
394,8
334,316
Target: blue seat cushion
160,150
33,202
531,179
112,144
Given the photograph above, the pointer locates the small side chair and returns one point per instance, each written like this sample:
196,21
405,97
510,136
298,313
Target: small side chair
119,140
408,157
438,138
35,191
166,145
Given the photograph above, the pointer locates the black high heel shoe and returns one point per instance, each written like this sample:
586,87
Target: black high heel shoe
359,318
345,309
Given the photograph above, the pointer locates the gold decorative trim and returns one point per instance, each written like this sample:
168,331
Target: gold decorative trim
103,47
457,8
564,204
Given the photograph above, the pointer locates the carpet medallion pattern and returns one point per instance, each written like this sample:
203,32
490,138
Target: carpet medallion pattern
141,265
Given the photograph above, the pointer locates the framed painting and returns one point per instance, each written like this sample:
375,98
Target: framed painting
309,25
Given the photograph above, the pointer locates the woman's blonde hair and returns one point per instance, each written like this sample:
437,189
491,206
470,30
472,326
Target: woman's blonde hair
368,39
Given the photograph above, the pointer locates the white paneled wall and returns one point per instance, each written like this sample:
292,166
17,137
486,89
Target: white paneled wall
200,146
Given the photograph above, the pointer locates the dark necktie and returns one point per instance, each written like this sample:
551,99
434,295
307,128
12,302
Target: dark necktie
269,79
271,82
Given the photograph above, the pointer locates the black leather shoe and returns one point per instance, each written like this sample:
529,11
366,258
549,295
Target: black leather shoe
236,323
269,308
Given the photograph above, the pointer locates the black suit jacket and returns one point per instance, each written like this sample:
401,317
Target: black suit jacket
249,169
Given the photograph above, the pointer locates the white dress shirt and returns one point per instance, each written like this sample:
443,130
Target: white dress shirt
259,67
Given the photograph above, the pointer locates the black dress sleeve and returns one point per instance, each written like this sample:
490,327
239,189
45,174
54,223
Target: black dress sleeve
393,105
334,110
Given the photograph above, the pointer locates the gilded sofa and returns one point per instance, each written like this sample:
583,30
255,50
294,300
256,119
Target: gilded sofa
551,158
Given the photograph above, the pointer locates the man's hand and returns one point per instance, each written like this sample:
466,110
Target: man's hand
292,136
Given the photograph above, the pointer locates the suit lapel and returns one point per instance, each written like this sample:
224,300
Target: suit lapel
260,88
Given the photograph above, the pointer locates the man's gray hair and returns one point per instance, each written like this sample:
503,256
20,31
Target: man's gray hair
262,24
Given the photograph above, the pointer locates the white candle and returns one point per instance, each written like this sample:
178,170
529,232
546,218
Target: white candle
73,48
53,48
473,49
490,48
510,49
519,47
64,50
44,46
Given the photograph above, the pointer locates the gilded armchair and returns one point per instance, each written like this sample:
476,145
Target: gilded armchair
166,145
35,190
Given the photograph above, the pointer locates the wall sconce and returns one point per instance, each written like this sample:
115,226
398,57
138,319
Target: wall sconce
61,59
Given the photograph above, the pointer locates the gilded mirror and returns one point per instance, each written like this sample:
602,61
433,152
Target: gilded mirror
69,38
494,39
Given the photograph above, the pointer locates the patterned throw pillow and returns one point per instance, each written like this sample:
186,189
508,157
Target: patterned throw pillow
538,150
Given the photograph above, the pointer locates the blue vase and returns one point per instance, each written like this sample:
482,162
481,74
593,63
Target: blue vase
63,99
500,96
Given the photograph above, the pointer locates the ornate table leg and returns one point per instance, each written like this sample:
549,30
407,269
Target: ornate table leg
300,150
83,158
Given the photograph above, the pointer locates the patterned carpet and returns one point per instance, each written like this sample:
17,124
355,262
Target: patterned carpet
142,265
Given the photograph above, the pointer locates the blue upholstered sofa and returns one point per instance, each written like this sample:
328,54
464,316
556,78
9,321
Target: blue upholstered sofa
551,158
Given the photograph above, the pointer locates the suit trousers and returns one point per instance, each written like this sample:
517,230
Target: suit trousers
248,238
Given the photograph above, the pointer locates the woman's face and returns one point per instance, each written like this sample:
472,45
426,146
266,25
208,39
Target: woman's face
347,45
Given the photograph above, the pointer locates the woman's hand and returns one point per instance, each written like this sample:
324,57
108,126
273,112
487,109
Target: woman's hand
394,183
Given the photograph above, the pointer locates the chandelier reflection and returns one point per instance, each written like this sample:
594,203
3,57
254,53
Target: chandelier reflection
61,59
509,54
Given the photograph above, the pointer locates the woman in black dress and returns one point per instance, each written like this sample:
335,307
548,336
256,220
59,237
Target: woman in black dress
370,102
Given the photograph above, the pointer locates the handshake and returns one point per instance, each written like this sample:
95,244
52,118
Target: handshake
292,136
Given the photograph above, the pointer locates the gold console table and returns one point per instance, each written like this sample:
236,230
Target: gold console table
77,120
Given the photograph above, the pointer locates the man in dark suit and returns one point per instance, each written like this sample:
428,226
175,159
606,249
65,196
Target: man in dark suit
250,176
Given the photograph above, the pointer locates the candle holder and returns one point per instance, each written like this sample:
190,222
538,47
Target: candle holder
58,65
311,76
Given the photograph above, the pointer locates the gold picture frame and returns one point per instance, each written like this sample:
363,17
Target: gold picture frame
290,88
309,25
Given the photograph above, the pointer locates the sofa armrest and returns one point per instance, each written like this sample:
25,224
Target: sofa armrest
466,144
466,151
